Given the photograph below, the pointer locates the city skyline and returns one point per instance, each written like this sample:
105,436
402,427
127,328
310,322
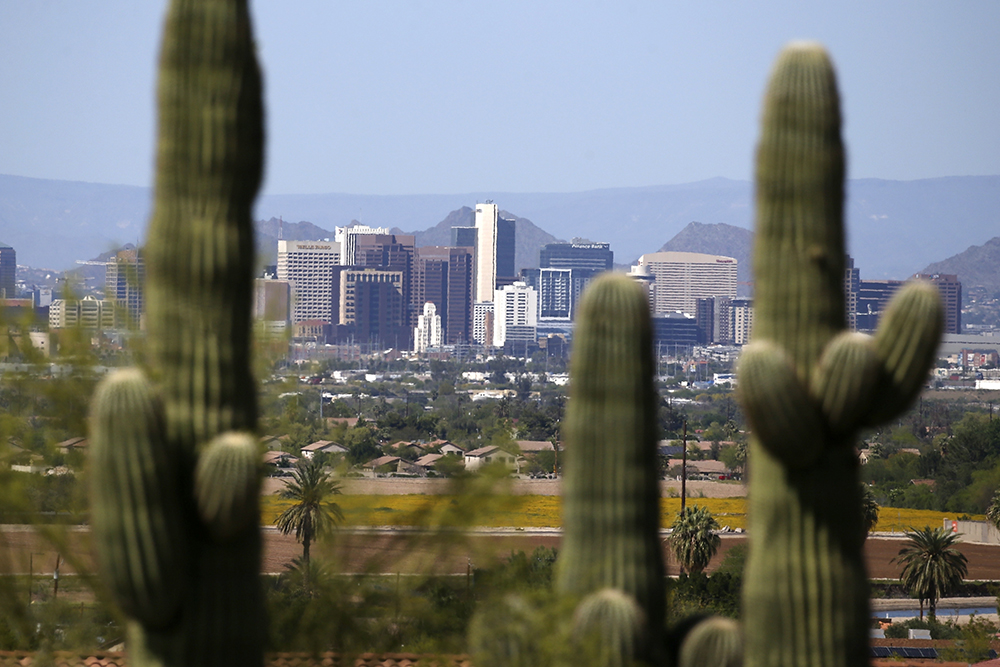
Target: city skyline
365,100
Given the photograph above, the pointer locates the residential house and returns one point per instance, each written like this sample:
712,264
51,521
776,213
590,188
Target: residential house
322,447
477,458
72,445
382,465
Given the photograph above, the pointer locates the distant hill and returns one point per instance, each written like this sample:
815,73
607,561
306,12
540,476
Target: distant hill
977,266
717,239
894,227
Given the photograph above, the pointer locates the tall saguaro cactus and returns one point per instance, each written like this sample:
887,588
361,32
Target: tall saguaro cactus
808,386
611,489
175,466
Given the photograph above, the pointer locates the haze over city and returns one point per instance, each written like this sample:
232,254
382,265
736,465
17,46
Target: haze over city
450,97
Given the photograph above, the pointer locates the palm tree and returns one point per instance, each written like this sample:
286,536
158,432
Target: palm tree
692,539
993,511
932,567
313,513
869,509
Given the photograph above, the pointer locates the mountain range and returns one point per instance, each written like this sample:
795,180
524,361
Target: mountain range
895,228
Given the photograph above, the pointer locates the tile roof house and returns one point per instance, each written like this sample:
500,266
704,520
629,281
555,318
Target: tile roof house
323,447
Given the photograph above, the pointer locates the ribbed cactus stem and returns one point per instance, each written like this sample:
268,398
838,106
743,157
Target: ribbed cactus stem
200,248
611,515
177,466
807,386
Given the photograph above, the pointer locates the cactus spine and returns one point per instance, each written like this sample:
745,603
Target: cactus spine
176,467
611,493
807,386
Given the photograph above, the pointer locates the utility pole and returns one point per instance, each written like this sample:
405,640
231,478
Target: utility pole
684,463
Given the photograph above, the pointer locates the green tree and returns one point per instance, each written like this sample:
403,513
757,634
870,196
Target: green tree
692,539
313,513
869,509
932,567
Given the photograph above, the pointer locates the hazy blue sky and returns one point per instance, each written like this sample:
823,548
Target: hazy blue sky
449,96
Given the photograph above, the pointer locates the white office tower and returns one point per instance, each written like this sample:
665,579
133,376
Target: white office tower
742,320
427,333
684,277
482,322
308,266
347,237
486,250
516,314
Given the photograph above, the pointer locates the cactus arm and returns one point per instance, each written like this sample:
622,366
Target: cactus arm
844,381
906,342
611,491
138,535
227,485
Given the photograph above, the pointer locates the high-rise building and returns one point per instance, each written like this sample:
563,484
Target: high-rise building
370,307
482,323
308,266
427,333
443,276
684,277
578,254
873,298
565,270
391,252
347,238
8,271
88,313
951,297
271,304
742,319
852,284
495,240
124,278
463,237
515,317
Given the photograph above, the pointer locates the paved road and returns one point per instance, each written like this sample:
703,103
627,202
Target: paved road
411,551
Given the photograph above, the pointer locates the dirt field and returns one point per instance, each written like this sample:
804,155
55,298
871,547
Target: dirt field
408,551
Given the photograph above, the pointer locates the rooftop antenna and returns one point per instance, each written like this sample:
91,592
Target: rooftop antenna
280,223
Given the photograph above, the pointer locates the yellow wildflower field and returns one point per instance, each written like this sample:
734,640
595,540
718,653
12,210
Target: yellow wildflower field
544,511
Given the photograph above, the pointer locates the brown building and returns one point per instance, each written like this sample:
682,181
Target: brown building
951,295
443,276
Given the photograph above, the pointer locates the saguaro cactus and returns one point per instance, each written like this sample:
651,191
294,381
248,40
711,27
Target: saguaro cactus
807,385
611,508
175,465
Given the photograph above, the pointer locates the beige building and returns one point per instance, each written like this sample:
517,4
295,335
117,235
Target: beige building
308,267
681,278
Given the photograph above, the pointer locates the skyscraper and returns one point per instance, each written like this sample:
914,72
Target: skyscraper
684,277
495,241
951,297
443,276
565,271
370,307
8,271
515,317
308,266
347,238
427,333
124,277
